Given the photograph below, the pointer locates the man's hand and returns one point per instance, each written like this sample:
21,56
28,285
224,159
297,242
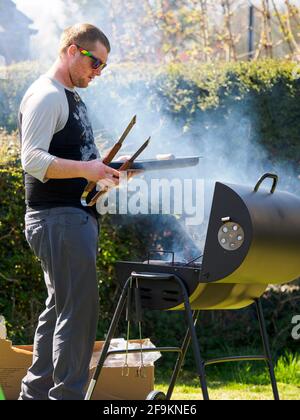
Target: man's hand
95,170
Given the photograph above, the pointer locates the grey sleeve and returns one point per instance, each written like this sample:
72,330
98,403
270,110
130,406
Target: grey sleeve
42,117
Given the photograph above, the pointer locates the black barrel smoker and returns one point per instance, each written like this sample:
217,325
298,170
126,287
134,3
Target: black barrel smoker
253,240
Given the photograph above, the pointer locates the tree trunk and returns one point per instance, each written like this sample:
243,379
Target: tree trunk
229,36
205,29
267,28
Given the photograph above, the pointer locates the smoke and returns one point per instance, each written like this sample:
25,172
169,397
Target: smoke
229,151
279,3
49,19
227,141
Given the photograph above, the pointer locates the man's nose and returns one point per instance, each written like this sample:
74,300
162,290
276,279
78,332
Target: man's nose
97,72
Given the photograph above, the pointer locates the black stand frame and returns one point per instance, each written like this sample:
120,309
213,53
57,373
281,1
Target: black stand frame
190,336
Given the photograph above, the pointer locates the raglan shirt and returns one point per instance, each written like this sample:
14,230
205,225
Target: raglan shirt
53,122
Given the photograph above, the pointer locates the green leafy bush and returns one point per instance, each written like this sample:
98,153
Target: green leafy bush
12,88
205,96
196,97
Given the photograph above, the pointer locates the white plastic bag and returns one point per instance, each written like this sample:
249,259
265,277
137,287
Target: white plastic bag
133,360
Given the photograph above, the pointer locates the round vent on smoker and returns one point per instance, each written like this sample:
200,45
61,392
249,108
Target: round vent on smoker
231,236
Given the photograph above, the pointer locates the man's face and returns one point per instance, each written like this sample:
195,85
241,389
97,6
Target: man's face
80,66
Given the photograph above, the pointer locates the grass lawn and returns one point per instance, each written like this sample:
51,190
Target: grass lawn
231,391
239,381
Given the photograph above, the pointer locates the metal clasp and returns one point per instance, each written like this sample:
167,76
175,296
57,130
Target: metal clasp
125,370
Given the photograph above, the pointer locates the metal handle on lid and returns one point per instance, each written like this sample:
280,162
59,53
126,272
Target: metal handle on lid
265,176
161,252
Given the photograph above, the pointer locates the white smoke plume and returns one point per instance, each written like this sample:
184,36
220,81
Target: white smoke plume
49,19
233,156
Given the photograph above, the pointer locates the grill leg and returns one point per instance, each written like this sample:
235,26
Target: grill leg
200,364
181,357
264,335
109,337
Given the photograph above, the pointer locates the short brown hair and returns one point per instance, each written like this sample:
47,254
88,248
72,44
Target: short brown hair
84,35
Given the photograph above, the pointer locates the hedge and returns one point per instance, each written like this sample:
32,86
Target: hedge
199,101
203,97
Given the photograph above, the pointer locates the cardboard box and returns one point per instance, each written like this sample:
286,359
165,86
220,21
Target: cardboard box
111,385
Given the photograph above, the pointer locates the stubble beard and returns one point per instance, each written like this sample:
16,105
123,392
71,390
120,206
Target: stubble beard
82,83
79,82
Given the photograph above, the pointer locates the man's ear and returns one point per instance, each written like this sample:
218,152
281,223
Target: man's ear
72,50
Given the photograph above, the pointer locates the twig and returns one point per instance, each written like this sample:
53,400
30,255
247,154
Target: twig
8,234
283,28
8,279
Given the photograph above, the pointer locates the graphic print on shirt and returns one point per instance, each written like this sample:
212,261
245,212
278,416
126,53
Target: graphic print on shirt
88,149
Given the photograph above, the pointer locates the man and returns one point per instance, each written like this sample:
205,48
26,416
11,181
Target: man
59,156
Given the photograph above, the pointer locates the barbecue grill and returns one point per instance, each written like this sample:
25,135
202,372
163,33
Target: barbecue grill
253,239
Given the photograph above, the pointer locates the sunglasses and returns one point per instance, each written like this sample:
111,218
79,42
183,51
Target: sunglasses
97,63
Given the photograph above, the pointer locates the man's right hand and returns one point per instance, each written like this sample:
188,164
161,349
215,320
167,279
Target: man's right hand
95,170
